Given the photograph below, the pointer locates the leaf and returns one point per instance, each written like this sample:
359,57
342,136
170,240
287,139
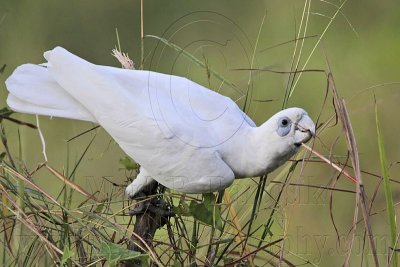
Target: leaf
99,207
387,188
67,254
183,209
177,263
128,164
3,68
207,211
115,253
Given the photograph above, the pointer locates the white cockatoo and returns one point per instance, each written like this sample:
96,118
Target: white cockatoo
183,135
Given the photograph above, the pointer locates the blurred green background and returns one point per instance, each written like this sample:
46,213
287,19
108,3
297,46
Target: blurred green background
362,45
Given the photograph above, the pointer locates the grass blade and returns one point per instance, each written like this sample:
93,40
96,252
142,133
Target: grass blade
342,113
249,95
197,61
321,36
71,184
387,189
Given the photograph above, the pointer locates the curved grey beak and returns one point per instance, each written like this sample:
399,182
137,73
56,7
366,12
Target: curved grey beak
306,125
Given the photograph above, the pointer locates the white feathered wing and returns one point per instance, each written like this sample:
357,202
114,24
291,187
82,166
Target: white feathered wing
170,125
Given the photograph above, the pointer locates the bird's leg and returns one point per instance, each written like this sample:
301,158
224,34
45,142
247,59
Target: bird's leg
135,189
152,214
151,203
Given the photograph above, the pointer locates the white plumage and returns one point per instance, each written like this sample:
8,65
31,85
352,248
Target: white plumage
183,135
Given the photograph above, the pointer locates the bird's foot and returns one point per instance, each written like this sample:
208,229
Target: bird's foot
133,192
139,208
137,190
156,206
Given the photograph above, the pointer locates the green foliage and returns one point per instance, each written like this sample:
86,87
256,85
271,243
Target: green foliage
67,255
387,190
2,155
114,253
207,211
2,69
183,209
100,207
128,164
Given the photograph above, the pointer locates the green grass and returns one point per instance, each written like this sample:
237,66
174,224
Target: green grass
391,215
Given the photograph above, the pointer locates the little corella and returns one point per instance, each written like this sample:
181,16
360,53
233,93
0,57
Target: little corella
183,135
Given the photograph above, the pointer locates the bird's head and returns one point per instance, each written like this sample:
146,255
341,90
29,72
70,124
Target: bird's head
285,132
294,124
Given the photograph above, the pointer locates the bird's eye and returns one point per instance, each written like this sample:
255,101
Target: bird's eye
284,125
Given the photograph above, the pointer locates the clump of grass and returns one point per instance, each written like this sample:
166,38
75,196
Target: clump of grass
39,228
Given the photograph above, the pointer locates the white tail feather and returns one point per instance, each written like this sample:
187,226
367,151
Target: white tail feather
33,90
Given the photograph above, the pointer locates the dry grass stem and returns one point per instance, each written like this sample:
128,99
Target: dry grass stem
124,59
336,167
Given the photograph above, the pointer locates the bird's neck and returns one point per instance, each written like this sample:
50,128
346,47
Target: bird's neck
254,157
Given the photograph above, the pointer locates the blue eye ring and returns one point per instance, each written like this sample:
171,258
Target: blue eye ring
284,126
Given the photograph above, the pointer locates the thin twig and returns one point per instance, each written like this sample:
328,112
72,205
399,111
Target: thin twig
340,106
341,170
